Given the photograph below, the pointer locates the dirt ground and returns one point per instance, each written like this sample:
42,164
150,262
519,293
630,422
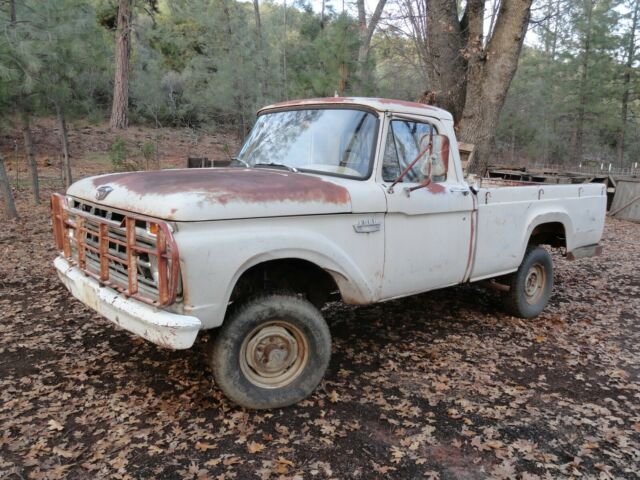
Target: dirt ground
441,385
89,146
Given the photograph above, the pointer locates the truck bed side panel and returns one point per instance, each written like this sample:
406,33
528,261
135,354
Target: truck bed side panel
508,215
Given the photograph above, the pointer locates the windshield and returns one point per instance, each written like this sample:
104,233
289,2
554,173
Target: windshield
332,141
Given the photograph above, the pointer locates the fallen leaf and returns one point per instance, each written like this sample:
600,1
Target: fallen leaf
55,425
255,447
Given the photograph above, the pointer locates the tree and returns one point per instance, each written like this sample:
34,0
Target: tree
577,143
20,66
262,59
366,31
5,188
630,53
470,72
31,155
120,106
64,141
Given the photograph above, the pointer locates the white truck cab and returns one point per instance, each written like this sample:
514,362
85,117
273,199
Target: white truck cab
329,198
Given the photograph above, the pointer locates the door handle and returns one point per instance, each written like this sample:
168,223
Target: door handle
462,190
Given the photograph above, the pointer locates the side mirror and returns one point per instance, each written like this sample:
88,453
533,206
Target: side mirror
435,166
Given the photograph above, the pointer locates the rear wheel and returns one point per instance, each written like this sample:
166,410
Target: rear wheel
530,286
272,352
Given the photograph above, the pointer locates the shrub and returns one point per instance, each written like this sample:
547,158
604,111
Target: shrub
148,151
118,153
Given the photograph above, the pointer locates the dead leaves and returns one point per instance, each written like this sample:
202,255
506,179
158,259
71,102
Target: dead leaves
417,387
396,454
55,425
255,447
63,453
203,446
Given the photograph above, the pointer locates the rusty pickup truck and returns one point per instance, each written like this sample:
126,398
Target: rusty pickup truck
354,199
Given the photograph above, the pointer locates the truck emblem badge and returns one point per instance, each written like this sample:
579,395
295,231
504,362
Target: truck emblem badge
102,192
367,225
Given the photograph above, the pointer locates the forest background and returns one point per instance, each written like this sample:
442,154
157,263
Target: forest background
543,82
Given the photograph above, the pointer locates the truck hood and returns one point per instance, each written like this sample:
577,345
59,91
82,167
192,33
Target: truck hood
215,194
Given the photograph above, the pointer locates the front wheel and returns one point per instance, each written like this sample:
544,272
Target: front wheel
272,352
530,286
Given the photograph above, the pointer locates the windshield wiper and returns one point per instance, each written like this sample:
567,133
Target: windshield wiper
236,159
276,165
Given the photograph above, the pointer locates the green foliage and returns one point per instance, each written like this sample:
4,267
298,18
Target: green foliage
118,153
539,120
55,53
198,64
148,150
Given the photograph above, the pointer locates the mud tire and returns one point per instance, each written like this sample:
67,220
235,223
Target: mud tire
531,284
299,319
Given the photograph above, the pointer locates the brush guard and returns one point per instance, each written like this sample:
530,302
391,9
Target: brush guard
118,243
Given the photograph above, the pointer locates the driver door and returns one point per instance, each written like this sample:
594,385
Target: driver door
428,231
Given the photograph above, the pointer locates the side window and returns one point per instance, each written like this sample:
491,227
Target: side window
402,147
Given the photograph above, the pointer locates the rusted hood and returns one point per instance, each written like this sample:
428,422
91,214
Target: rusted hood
215,194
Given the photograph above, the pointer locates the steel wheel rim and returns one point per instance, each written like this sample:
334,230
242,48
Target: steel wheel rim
534,283
274,354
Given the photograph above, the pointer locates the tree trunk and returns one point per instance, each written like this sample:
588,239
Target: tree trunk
445,44
237,96
490,76
64,139
471,75
12,12
576,151
5,188
120,106
284,53
626,88
262,62
31,157
550,46
366,31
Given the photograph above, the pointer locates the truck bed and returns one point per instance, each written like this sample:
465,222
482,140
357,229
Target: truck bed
509,212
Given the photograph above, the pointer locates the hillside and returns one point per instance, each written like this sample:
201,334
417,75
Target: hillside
90,145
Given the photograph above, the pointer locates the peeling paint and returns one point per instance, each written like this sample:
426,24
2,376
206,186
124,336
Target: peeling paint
224,185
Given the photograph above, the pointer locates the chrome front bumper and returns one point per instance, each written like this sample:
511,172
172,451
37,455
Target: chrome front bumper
163,328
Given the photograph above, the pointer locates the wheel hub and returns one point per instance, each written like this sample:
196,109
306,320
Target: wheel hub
271,350
274,354
534,283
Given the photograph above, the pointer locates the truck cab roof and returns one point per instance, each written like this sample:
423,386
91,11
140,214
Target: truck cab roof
378,104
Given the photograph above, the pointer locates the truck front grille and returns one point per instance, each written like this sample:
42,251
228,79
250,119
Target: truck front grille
118,249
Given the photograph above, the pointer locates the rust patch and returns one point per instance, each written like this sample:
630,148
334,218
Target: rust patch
348,100
404,103
231,184
444,152
472,242
435,188
311,101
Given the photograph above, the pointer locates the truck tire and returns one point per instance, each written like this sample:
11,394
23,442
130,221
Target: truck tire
272,352
531,284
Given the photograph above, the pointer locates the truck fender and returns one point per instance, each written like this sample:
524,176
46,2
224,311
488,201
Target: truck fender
352,283
548,217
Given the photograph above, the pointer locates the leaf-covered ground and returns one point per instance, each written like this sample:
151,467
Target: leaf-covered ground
441,385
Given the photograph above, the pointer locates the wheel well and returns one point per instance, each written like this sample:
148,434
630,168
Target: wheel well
291,275
551,233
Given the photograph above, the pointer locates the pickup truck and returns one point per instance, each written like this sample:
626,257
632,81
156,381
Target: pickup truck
354,199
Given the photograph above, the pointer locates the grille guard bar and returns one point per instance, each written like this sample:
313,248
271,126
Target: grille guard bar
166,251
